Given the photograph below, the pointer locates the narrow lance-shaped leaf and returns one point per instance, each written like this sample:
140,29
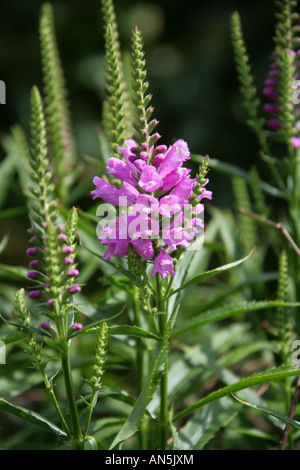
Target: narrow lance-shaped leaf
228,311
32,417
278,373
213,272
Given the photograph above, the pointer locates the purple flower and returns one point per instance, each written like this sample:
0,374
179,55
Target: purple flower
45,325
121,170
74,289
50,303
67,249
271,108
144,248
274,124
33,263
205,193
174,157
150,180
174,178
31,251
271,93
163,264
170,181
72,272
295,142
69,260
35,294
126,195
76,326
33,274
62,236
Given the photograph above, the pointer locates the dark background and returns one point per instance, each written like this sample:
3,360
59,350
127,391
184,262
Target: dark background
189,60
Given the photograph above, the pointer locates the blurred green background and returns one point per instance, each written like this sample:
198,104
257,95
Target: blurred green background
190,69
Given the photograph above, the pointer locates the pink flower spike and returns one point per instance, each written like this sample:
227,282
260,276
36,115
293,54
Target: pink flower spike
163,264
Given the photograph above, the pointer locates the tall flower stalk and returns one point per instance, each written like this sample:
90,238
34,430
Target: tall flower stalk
158,207
52,266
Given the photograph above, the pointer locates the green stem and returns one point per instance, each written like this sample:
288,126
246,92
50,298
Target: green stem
77,435
91,406
50,390
139,365
164,413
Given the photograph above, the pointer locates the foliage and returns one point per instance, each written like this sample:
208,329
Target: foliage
130,361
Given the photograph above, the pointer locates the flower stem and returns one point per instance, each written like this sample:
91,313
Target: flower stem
139,365
164,414
91,407
50,390
77,435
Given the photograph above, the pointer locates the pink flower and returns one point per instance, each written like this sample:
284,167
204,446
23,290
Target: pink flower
163,264
72,272
74,289
150,180
120,170
174,178
271,93
45,325
34,263
295,142
144,248
67,249
174,158
35,294
31,251
76,326
112,195
33,274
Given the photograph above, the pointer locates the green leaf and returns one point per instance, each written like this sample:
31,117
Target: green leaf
201,428
269,411
131,424
13,273
128,330
213,272
277,373
31,417
228,311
